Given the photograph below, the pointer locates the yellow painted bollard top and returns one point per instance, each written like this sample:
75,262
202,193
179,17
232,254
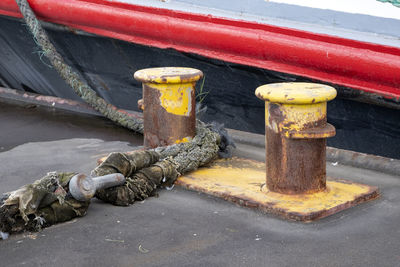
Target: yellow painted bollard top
296,93
302,107
168,75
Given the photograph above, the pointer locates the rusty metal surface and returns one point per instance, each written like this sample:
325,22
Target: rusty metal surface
169,104
242,181
295,166
162,128
295,131
371,194
324,131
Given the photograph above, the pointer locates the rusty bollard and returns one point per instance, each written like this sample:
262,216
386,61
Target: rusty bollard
168,104
296,130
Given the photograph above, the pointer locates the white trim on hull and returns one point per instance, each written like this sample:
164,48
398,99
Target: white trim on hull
375,22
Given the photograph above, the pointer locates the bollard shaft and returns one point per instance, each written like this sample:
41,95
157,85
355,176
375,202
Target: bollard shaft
296,129
169,105
294,165
165,121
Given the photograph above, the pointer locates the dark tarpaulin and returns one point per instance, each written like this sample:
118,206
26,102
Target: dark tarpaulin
108,65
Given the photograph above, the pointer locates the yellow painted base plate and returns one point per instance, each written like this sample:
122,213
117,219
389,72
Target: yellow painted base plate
243,181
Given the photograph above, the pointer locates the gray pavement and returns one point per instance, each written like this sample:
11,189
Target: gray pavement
178,228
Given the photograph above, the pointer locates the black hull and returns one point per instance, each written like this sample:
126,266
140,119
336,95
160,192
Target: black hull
108,65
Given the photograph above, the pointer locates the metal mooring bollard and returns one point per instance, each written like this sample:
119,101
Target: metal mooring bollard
296,130
169,104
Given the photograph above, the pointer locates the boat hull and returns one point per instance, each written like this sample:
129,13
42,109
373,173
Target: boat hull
108,65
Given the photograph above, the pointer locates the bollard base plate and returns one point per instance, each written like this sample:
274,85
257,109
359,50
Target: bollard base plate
242,181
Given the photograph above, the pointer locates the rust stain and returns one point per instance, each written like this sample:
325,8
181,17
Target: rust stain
238,180
294,166
168,104
325,131
162,128
296,130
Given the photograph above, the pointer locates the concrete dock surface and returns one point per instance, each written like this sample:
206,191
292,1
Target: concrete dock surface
179,227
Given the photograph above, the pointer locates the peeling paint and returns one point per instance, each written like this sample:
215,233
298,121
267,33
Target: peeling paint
296,93
176,98
243,181
169,104
184,140
295,129
297,117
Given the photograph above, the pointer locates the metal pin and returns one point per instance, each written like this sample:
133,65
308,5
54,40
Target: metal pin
84,187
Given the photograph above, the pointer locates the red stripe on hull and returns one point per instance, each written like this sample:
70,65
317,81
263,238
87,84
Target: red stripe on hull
369,67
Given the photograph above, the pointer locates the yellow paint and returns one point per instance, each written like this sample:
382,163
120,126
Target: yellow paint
301,106
245,180
296,116
183,140
299,115
168,75
175,84
296,93
175,98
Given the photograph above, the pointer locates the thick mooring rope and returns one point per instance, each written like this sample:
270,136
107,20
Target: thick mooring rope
162,166
186,155
47,201
72,78
119,116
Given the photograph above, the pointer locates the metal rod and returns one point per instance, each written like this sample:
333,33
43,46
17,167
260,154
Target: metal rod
84,187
